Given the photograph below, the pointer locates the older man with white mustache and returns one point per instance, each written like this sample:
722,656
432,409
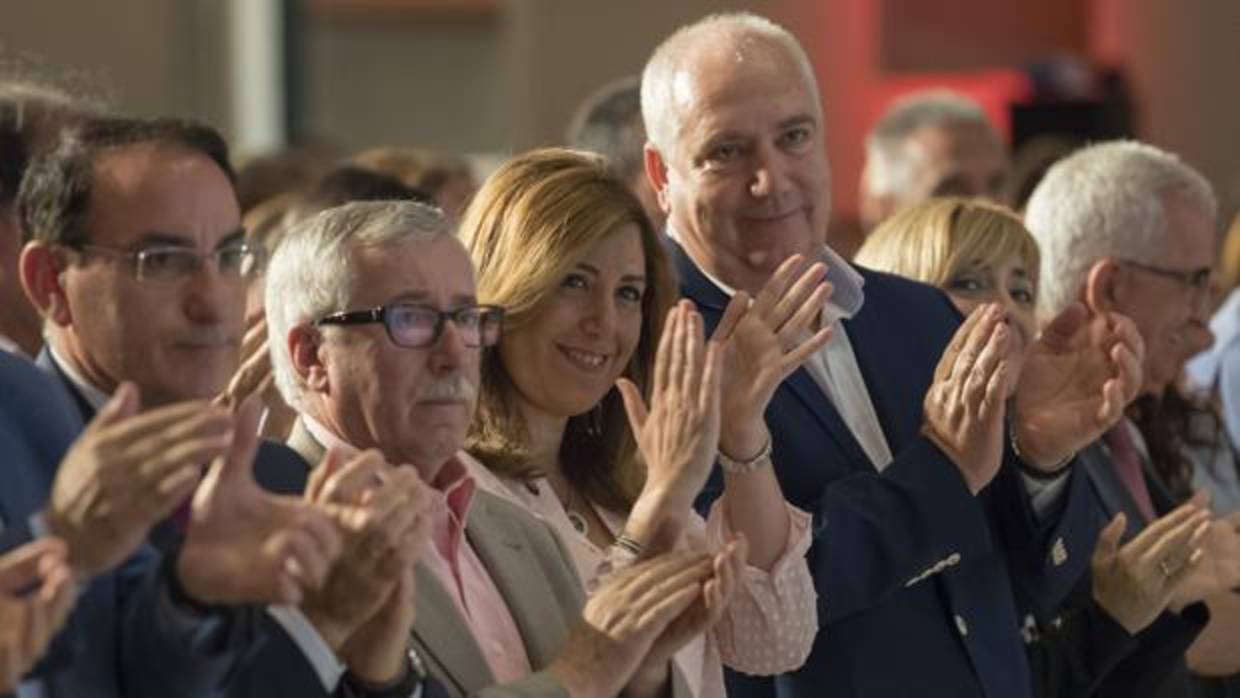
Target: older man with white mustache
377,339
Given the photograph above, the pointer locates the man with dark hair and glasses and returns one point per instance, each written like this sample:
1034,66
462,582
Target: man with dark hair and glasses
135,257
377,339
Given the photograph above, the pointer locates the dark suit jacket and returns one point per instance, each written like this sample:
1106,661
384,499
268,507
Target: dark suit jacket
1152,663
912,571
116,642
121,641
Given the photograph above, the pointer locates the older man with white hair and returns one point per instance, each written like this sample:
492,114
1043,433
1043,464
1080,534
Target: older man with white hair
930,143
921,508
1125,227
377,338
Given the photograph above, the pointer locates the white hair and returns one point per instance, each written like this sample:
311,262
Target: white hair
1107,200
311,272
725,29
888,169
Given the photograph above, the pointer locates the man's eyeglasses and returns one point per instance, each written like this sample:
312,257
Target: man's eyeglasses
1197,280
417,326
168,264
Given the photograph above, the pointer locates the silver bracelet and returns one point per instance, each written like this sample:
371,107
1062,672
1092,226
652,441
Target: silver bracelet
748,465
628,545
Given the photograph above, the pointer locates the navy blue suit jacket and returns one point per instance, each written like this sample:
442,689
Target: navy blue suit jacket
117,641
112,643
912,571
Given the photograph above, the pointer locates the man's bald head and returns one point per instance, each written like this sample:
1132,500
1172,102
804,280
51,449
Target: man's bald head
712,43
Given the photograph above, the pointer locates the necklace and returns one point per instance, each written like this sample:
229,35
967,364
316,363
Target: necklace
575,517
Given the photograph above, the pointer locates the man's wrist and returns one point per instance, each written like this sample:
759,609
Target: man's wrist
744,442
1037,467
332,633
406,681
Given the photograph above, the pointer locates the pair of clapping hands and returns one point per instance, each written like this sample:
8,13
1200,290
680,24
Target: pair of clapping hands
359,523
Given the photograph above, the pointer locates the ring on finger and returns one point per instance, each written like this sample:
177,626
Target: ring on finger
1166,569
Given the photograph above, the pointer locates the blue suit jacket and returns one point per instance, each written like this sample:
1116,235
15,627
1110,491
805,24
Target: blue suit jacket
38,422
912,571
117,642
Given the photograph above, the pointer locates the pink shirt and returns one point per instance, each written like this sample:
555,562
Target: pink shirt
453,561
769,627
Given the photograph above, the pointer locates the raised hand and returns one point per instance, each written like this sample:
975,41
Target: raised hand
1218,569
1078,376
1133,584
727,569
36,595
964,407
764,343
254,377
382,512
128,471
245,545
678,435
624,618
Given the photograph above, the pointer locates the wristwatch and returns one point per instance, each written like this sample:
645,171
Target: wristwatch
404,687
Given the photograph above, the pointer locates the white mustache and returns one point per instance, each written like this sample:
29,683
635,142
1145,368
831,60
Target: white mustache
456,387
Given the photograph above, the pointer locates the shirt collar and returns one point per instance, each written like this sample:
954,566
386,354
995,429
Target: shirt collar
847,296
9,346
95,397
453,486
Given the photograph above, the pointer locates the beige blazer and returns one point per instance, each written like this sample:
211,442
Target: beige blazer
534,574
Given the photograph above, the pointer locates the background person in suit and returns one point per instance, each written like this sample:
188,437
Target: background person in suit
978,252
1126,227
383,351
917,515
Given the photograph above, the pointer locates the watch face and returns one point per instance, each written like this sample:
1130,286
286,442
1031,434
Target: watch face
415,660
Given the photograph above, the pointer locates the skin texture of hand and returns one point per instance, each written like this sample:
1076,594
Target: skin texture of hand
254,377
624,618
764,343
128,471
727,568
1219,567
678,435
36,595
245,545
365,610
1129,582
1077,378
965,406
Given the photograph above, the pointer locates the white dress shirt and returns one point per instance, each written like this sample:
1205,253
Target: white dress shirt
834,368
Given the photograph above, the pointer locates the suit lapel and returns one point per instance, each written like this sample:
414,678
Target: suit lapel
495,538
444,640
45,361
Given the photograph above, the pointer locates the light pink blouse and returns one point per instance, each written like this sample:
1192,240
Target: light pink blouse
769,627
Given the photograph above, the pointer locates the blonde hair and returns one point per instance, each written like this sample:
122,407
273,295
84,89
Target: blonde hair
528,225
932,241
1229,260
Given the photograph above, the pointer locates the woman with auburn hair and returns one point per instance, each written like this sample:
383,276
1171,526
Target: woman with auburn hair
981,253
566,248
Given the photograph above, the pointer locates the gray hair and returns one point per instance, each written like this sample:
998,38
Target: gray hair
609,122
311,272
888,169
721,29
1107,200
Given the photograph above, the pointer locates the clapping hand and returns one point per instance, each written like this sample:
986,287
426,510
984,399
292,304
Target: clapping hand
678,434
36,595
128,471
965,406
1078,376
245,545
1134,583
764,343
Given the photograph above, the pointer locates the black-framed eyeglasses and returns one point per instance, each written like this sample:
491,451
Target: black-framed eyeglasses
416,326
1197,280
170,264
